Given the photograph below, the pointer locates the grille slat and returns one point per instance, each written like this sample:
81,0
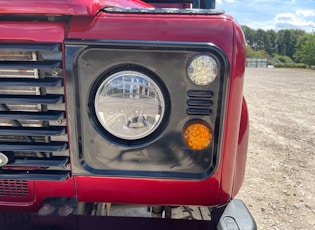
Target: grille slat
23,66
45,116
32,131
32,121
46,82
35,162
35,175
39,147
29,99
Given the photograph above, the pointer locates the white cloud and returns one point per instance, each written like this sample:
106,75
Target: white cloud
297,20
268,14
285,17
305,13
228,1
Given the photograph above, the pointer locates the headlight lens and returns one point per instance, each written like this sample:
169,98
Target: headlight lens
202,70
129,105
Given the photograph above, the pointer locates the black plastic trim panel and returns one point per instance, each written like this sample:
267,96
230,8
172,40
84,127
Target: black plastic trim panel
233,216
162,154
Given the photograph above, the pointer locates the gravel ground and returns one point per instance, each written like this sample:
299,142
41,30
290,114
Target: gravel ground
279,186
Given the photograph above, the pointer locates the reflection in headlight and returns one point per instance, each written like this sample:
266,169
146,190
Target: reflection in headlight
129,105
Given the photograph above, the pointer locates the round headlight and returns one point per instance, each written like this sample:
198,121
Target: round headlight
202,70
129,105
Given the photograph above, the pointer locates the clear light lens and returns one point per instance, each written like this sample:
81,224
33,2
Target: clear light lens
129,105
203,70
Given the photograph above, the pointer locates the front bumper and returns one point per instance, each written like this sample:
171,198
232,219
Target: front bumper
234,215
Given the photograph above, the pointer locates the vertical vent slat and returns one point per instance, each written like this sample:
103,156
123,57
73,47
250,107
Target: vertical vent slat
30,117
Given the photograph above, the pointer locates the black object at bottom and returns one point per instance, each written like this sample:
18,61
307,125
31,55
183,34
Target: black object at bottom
234,216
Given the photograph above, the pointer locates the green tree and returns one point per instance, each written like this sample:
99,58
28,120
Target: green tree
306,49
286,41
281,43
270,45
294,36
250,53
260,40
249,35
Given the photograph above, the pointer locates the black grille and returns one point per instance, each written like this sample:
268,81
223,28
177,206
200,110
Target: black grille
33,133
199,102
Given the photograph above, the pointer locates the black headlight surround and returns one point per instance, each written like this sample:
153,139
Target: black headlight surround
121,141
166,156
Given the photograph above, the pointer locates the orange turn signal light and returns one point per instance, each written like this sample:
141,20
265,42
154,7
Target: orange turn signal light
197,135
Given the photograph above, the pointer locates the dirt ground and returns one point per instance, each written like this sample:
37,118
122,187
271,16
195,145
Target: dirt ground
279,186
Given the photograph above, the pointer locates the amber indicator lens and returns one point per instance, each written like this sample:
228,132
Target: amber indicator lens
197,135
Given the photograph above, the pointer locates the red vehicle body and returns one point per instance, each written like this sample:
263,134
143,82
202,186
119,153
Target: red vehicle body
120,33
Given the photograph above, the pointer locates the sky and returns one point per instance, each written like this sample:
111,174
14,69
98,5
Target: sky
271,14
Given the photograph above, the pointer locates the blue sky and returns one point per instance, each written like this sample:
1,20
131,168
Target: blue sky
272,14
